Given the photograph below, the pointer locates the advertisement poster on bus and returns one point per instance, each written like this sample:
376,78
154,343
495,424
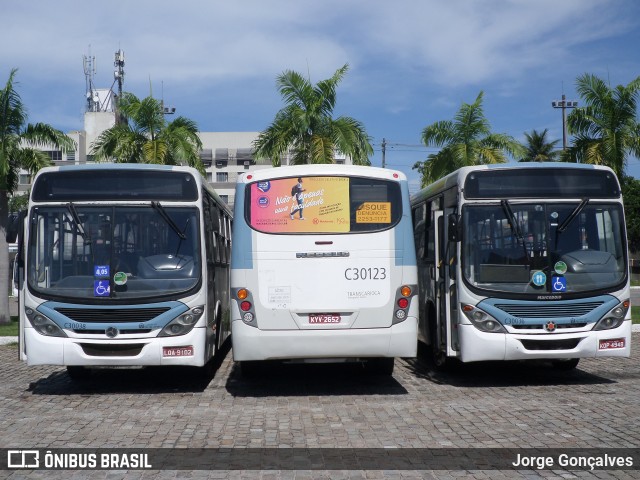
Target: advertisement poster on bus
301,205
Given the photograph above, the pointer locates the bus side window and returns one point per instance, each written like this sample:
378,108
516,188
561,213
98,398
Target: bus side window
209,235
215,232
430,251
419,230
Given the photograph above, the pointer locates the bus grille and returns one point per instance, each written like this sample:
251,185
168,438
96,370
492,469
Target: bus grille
540,326
568,344
111,315
549,311
121,332
111,350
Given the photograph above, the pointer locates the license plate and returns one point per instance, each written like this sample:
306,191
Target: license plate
178,351
612,343
324,318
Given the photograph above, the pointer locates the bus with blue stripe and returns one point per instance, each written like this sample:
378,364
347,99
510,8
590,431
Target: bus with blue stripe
123,265
523,261
323,267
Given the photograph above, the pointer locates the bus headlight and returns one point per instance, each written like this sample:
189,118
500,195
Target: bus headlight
482,320
43,325
183,323
613,318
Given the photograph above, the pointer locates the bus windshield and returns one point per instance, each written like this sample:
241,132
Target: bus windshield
323,204
544,248
113,252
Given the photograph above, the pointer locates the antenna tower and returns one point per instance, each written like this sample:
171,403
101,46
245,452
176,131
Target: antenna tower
93,101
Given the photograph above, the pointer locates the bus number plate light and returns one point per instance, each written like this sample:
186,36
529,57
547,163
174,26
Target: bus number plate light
324,318
611,344
186,351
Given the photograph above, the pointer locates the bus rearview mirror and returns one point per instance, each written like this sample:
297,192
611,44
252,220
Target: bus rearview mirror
453,228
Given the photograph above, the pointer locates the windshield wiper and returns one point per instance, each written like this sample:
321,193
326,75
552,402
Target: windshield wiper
515,227
512,220
78,223
563,226
163,213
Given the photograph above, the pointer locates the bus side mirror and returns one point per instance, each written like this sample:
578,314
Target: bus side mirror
453,228
13,226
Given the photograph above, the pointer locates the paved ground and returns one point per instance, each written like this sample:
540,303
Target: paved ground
324,406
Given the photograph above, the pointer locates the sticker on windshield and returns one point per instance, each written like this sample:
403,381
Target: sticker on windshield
559,284
120,278
560,268
101,288
539,278
374,212
101,271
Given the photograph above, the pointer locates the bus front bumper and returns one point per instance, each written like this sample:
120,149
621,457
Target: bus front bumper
250,343
44,350
477,346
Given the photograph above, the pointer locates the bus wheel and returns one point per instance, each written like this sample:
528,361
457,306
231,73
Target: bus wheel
380,366
565,364
78,373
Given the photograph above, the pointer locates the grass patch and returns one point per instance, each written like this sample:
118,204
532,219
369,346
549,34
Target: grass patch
10,329
635,314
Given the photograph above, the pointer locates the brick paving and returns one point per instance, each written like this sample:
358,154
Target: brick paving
491,405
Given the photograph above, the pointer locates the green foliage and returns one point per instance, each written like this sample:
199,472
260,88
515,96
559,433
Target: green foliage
18,202
145,136
631,197
10,329
539,149
305,127
465,141
20,142
606,130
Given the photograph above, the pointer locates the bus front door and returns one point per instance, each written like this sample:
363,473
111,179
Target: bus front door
444,334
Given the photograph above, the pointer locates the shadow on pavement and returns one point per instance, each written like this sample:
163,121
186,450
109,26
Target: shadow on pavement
499,374
131,380
285,380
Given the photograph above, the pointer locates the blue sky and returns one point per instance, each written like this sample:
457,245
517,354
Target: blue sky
412,62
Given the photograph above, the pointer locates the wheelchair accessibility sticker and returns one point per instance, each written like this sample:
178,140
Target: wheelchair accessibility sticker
559,284
101,288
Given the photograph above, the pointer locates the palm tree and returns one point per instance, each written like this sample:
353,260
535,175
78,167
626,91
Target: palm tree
467,140
305,127
606,131
539,149
19,149
145,136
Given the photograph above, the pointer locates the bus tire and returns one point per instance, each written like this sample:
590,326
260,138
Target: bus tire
380,366
565,364
78,373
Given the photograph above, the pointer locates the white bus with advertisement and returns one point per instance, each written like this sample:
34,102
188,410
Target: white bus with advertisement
323,267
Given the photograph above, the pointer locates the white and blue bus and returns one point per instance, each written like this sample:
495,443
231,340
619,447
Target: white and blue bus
323,267
123,265
523,261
